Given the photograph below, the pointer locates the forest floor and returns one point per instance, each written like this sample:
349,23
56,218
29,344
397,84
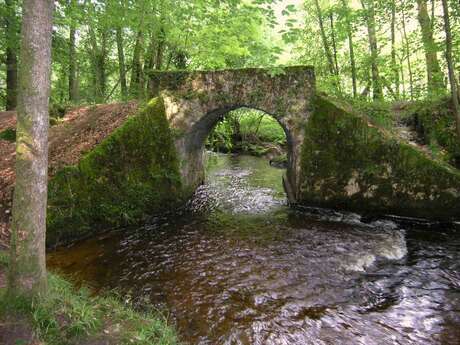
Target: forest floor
74,135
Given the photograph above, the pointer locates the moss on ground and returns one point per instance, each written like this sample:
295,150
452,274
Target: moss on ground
434,122
67,316
347,162
8,134
134,172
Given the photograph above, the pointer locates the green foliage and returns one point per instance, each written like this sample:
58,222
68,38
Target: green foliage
132,172
8,134
246,130
378,111
68,316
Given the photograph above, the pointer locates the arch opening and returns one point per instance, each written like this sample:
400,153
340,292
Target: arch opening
214,129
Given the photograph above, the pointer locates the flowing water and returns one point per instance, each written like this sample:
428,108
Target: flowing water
239,267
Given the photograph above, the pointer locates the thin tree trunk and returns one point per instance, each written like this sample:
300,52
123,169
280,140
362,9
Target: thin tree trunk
394,64
408,52
27,268
136,71
11,31
351,50
73,81
334,45
450,65
121,65
403,81
326,47
434,74
377,92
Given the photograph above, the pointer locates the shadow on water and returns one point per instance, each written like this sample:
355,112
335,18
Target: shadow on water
240,267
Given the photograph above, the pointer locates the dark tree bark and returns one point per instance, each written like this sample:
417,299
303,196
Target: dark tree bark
368,5
160,49
434,74
450,65
351,51
11,30
27,269
121,64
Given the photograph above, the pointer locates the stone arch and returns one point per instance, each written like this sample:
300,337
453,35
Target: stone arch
196,101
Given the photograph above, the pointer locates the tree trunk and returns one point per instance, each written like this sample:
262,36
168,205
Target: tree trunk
160,49
434,74
27,270
450,65
98,63
121,65
394,64
334,45
135,86
73,81
408,52
351,50
11,58
377,92
326,47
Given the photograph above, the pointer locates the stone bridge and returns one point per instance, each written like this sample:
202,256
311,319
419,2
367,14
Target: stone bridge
196,101
152,161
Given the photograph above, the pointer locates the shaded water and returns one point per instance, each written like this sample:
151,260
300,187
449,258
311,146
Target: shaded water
240,267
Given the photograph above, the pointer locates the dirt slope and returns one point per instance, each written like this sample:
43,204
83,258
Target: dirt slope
77,133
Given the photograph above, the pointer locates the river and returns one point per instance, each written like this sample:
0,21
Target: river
238,266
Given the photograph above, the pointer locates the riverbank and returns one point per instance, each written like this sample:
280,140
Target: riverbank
74,316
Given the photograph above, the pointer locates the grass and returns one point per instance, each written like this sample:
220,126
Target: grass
70,316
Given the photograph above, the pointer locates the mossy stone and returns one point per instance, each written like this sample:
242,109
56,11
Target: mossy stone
134,172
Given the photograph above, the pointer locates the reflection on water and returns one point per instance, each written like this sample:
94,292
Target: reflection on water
240,267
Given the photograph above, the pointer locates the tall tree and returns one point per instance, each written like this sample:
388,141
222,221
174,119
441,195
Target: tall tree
334,44
121,64
350,47
407,50
136,85
369,7
73,80
98,61
327,49
11,30
450,65
433,70
394,64
27,270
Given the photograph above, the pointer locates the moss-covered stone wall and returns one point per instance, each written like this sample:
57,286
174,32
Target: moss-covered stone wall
134,172
350,163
